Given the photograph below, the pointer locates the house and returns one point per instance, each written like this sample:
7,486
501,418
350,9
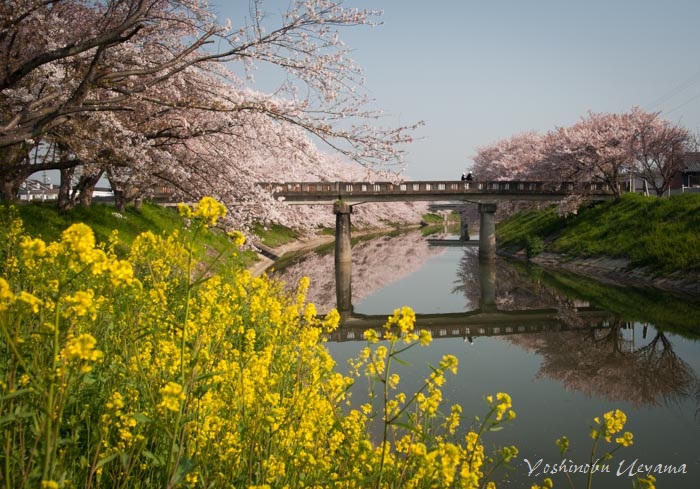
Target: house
37,190
688,179
33,189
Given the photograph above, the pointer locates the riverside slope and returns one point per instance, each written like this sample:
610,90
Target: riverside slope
616,271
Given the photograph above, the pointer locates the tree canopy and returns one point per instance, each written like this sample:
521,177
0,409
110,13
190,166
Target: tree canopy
601,147
151,93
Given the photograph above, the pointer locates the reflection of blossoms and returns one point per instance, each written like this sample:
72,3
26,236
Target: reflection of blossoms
375,264
597,363
514,291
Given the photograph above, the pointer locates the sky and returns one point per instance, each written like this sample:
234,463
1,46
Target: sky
476,71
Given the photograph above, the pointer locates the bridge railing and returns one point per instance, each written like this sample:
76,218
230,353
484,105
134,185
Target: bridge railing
434,187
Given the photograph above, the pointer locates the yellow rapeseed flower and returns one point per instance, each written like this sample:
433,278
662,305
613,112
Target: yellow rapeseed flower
625,440
237,237
613,422
33,302
80,303
172,395
33,247
209,210
81,349
7,297
79,239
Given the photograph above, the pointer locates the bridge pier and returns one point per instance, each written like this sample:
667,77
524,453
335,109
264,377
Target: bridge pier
343,257
487,285
487,231
463,227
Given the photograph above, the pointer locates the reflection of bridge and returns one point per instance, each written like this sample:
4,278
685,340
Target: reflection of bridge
472,324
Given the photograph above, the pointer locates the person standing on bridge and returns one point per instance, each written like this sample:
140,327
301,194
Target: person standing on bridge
469,177
464,176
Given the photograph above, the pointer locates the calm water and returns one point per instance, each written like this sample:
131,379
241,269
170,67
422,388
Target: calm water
638,352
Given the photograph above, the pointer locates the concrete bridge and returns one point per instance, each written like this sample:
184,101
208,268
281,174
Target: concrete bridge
353,193
344,195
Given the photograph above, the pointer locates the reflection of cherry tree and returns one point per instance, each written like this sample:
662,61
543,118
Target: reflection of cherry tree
375,264
605,363
513,290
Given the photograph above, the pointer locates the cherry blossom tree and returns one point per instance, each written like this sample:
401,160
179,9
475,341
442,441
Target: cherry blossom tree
514,158
659,149
599,148
66,62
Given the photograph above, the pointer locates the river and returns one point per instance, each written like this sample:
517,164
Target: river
607,348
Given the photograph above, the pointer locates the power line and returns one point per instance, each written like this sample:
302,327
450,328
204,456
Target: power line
683,104
674,91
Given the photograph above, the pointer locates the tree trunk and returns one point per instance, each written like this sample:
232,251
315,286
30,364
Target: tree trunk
86,187
11,174
120,200
10,188
65,201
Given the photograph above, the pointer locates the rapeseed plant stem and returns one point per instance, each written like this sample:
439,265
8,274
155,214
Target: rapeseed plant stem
50,408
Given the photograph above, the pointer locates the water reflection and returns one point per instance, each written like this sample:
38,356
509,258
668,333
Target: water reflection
564,347
375,264
609,361
592,350
614,363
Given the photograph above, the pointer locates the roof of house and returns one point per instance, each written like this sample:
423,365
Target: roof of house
692,161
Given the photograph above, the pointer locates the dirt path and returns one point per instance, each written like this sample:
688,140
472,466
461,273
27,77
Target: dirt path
266,258
270,255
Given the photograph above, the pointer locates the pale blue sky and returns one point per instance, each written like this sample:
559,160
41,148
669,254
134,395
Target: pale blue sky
478,71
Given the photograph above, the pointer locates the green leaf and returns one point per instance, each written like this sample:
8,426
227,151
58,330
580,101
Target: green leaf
14,394
106,460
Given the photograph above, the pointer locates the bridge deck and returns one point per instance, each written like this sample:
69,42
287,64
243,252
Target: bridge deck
474,191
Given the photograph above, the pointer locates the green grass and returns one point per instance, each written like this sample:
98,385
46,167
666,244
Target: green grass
660,233
274,235
665,311
43,220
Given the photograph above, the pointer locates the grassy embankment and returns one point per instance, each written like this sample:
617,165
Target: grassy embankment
659,234
43,220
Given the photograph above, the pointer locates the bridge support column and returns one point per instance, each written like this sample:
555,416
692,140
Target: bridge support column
463,227
487,232
487,283
343,257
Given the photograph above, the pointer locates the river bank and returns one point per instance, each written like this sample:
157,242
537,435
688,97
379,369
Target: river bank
615,271
268,256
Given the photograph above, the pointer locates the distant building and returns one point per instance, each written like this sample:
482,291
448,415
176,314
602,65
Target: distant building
37,190
688,179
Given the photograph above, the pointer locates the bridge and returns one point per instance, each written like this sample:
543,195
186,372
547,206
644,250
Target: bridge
473,324
353,193
344,195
